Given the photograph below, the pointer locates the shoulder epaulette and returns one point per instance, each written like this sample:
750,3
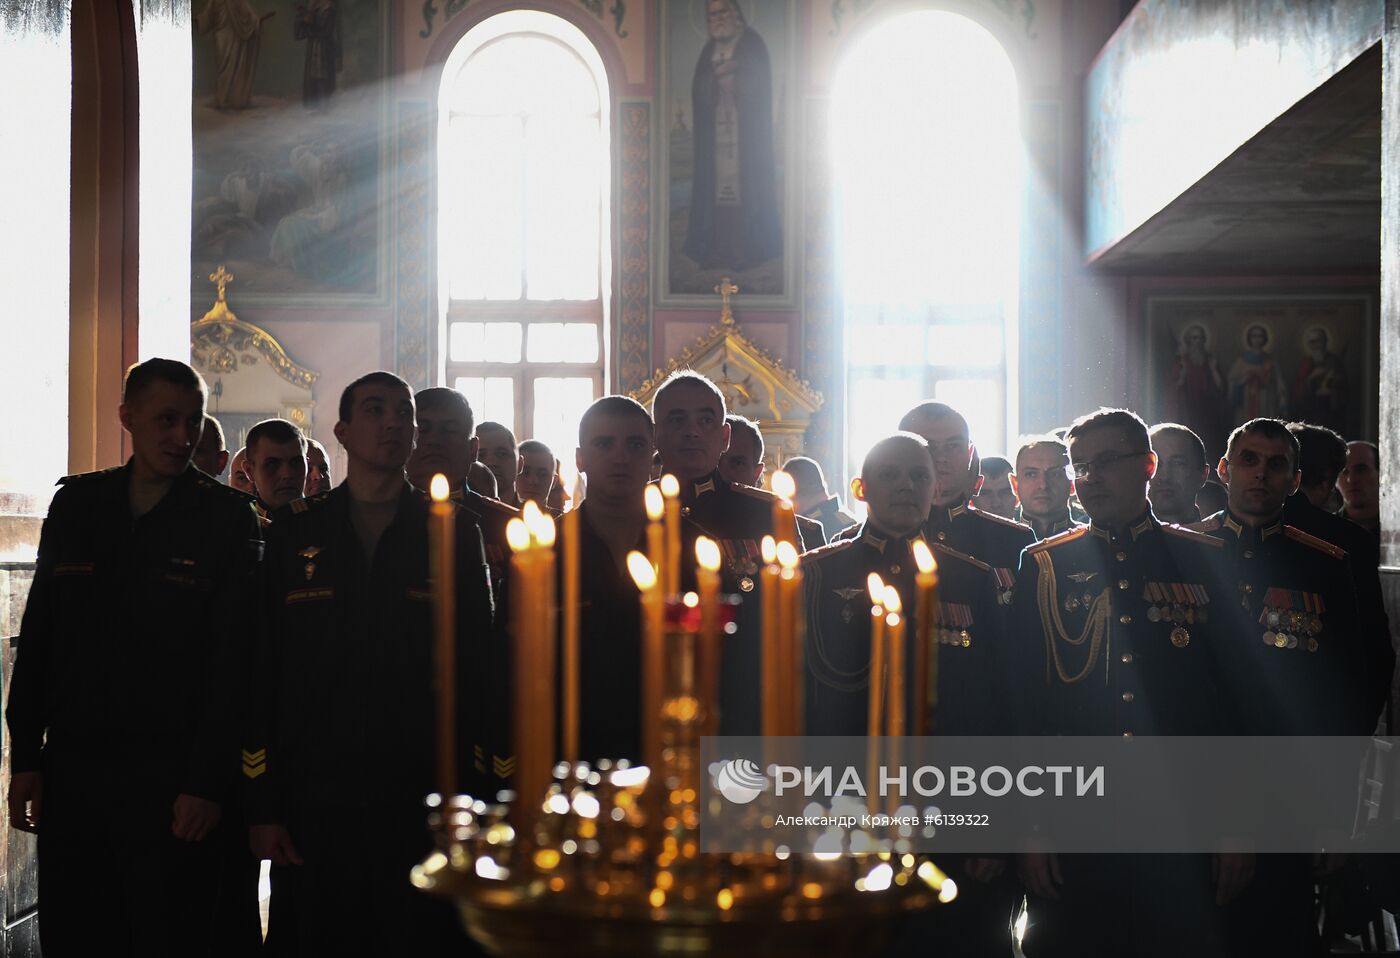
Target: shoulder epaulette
1321,545
86,476
752,491
1208,524
941,549
846,534
1000,520
1069,535
1190,535
830,549
297,506
213,485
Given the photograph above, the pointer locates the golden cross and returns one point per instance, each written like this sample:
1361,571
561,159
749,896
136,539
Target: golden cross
726,288
222,277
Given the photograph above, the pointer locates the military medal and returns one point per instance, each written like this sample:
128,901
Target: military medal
1269,638
309,554
1154,614
1072,603
1180,637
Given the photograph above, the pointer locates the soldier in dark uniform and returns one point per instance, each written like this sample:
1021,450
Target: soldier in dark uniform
1299,665
614,452
1118,622
812,499
896,484
1181,472
1043,485
341,744
742,461
275,460
1321,457
691,435
953,520
123,704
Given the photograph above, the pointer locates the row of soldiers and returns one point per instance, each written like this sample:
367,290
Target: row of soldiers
192,662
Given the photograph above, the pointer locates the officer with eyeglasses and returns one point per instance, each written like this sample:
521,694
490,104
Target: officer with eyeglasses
1116,623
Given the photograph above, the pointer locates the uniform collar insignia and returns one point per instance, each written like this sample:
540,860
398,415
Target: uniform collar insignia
1141,527
310,552
703,487
1271,529
957,510
1101,532
877,543
1232,525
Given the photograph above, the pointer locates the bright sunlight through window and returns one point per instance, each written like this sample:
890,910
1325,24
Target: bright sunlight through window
523,222
925,125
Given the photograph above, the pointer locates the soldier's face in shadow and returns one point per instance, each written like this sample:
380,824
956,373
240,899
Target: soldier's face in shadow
1042,482
278,470
1259,474
615,454
165,422
1111,476
896,485
445,445
691,433
1180,474
740,462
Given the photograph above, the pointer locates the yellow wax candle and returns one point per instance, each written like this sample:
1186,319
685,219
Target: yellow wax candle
771,637
653,661
707,556
671,572
790,658
571,614
925,642
875,715
531,766
784,519
544,593
894,638
442,553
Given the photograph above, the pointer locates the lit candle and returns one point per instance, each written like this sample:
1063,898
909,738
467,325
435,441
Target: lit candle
531,764
546,609
707,556
653,663
875,715
925,644
894,640
571,614
442,554
784,519
790,659
770,636
671,491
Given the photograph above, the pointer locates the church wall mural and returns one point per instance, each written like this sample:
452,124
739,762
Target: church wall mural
727,71
289,104
1216,360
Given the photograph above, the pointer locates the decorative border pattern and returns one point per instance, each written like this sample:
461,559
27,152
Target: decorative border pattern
634,327
820,330
1039,313
414,247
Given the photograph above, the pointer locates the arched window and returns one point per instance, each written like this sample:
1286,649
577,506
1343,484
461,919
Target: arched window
523,223
928,169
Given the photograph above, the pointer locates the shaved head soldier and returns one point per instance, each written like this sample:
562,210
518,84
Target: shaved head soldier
211,455
122,719
812,498
275,459
497,450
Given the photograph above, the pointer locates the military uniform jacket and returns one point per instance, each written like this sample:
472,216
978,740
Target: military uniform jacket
1117,633
491,515
737,517
132,648
965,628
1299,664
833,518
1364,559
344,711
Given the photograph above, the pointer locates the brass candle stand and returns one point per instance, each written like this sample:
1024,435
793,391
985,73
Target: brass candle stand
611,864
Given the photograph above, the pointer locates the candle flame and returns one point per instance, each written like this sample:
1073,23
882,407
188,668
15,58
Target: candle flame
707,553
769,550
541,526
876,587
544,532
690,600
643,573
655,506
783,486
787,555
891,600
518,535
439,488
923,557
670,486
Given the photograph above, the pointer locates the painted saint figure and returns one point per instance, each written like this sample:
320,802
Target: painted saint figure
1256,384
318,23
1198,389
237,30
734,220
1320,384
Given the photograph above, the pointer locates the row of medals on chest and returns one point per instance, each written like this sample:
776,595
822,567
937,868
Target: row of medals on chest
1160,609
1284,625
